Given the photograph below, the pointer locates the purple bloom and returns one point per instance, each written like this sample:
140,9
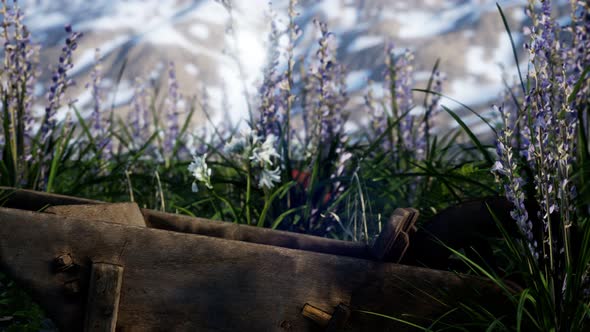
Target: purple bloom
507,168
171,135
60,82
410,136
100,121
326,93
547,137
139,117
270,104
18,76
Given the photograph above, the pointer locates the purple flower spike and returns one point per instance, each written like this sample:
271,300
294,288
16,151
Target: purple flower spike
326,95
18,78
61,82
172,113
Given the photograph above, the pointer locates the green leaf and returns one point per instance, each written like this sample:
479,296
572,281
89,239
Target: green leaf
285,214
480,147
514,52
578,85
267,203
463,105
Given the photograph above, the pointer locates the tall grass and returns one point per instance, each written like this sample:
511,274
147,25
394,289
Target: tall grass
293,166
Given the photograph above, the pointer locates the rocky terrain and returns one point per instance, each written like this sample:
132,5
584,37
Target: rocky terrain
466,35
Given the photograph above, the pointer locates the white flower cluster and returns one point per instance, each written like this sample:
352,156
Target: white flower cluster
251,149
202,173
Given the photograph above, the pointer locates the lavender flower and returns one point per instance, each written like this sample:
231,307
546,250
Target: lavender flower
326,95
269,121
18,76
100,121
172,112
139,117
410,136
60,82
508,168
547,137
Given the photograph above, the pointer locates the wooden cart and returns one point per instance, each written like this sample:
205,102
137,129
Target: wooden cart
114,267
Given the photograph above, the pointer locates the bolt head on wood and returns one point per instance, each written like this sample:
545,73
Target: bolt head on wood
63,262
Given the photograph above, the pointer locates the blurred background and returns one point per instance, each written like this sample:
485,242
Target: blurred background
138,38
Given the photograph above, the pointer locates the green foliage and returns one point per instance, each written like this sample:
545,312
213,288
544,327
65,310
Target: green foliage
18,313
303,172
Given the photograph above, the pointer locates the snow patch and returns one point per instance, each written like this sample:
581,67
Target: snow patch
357,79
200,31
364,42
191,69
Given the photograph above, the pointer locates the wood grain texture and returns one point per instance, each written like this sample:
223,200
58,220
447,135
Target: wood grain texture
246,233
34,200
186,282
123,213
103,298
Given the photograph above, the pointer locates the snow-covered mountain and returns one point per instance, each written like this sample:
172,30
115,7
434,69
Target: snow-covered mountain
467,35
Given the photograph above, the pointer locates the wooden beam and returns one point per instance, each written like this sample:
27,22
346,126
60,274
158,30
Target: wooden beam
122,213
103,298
187,282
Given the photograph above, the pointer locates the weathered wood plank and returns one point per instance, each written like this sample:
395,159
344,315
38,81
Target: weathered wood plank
123,213
185,282
246,233
34,200
103,298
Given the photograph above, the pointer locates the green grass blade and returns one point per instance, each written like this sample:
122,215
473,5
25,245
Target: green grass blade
514,52
462,105
578,85
393,319
285,214
474,139
524,296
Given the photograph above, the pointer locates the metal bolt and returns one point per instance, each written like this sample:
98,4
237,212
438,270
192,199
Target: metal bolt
63,262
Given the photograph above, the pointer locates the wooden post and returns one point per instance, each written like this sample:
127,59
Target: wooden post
103,297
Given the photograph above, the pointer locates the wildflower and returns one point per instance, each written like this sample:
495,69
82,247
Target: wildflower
513,184
236,145
100,121
60,82
270,104
139,118
18,75
262,154
326,95
201,172
172,113
269,177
